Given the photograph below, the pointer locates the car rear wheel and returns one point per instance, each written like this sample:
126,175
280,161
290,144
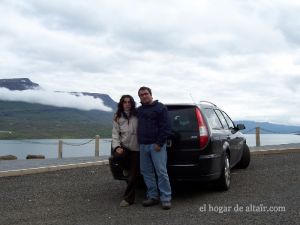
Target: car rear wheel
245,160
223,183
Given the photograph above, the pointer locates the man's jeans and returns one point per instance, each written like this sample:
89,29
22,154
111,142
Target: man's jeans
150,160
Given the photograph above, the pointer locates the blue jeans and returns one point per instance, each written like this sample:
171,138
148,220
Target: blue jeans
151,160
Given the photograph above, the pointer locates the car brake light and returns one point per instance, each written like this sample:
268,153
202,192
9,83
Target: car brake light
203,132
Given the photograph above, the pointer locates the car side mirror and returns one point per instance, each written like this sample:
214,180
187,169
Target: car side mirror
240,127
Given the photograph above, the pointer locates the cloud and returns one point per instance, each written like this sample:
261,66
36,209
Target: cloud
242,55
57,99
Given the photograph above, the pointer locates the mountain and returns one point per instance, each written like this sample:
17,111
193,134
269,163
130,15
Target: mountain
30,120
18,84
268,128
27,120
22,84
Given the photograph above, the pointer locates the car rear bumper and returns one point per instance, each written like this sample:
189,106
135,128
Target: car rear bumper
208,168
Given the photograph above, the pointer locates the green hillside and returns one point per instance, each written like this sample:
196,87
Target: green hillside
27,120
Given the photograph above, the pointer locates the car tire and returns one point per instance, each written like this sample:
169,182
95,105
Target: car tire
223,183
245,160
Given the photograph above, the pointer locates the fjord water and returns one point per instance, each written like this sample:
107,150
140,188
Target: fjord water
272,139
49,147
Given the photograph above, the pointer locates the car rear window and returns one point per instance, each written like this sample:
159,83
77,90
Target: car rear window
183,119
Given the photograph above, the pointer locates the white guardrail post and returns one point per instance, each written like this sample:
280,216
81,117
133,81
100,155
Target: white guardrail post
60,145
97,145
257,136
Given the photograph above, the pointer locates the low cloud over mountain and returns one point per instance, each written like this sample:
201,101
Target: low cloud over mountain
21,90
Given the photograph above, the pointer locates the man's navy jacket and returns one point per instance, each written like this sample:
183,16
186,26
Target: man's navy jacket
153,124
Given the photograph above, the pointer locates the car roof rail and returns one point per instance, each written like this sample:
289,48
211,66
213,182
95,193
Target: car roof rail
208,102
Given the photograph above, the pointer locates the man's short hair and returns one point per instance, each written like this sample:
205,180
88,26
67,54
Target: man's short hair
145,89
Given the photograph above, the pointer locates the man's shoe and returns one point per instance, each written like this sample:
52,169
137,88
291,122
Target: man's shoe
166,205
124,203
150,202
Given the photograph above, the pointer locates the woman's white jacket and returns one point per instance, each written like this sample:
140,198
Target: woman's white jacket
124,133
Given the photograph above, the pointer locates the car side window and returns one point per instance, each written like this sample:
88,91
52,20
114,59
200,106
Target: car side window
222,119
229,121
213,119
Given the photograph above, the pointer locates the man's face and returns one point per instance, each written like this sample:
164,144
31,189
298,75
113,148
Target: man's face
145,97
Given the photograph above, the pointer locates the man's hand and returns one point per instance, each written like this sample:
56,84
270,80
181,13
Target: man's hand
157,148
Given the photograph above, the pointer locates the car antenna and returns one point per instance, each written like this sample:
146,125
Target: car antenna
193,100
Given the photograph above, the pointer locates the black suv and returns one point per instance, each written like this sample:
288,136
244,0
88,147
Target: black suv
204,145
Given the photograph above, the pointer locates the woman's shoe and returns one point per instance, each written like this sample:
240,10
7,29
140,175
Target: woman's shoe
124,203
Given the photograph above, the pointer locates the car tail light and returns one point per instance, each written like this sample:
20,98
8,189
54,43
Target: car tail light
203,132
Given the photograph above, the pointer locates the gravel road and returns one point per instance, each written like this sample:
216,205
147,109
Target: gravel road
265,193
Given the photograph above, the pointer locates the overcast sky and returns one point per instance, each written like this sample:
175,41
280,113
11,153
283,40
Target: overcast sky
243,55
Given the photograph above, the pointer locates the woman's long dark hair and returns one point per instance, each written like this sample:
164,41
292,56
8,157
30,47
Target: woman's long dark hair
120,110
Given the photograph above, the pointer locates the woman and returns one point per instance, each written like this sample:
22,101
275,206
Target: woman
125,144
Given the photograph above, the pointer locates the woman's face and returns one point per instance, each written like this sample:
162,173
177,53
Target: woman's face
126,104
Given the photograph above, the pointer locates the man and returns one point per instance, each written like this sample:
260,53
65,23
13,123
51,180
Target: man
153,129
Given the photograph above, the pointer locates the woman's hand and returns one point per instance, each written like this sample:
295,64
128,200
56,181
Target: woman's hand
119,150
